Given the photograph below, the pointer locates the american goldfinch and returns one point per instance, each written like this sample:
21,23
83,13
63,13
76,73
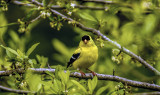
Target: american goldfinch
85,56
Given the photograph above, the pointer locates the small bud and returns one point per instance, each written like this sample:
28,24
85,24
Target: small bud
43,14
69,13
113,58
115,51
39,7
69,22
48,14
73,5
102,44
106,9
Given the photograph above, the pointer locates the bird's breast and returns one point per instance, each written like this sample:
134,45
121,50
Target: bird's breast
87,58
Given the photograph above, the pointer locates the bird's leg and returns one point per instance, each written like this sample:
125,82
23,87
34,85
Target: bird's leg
82,73
93,73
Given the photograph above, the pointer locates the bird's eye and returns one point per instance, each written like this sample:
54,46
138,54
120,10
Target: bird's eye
85,37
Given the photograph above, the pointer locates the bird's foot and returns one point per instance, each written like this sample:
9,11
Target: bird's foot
82,73
93,73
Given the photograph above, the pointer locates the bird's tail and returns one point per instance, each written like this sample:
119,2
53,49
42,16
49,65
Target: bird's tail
69,64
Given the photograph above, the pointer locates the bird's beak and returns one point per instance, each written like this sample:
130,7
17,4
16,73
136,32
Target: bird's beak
85,41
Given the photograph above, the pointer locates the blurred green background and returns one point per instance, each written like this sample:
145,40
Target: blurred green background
133,24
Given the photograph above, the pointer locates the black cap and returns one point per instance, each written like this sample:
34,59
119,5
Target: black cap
85,37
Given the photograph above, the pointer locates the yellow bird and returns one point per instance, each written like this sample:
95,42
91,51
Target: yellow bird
85,56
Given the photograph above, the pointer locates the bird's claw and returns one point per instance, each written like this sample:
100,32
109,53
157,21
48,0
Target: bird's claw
82,74
93,73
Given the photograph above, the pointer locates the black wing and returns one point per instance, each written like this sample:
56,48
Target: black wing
73,58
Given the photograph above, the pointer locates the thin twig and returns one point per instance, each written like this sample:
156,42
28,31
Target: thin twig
89,76
59,7
35,19
148,93
90,7
15,91
98,1
107,2
80,7
10,24
22,4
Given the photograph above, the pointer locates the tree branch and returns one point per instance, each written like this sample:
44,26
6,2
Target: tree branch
22,4
35,19
148,93
59,7
98,1
90,7
107,2
15,91
80,7
89,76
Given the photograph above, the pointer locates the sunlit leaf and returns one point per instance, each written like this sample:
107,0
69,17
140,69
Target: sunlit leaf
3,26
60,47
42,60
149,24
57,86
64,76
87,16
79,85
14,36
44,3
20,53
33,80
92,84
101,90
10,52
49,73
30,50
30,13
58,69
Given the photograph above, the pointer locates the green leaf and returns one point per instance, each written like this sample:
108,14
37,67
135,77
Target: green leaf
57,86
87,16
64,76
50,74
92,84
149,24
58,69
32,49
3,27
102,89
60,47
10,52
30,13
14,36
20,53
33,80
79,85
120,92
51,18
42,60
10,24
44,3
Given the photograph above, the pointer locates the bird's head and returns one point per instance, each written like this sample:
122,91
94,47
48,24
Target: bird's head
86,41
